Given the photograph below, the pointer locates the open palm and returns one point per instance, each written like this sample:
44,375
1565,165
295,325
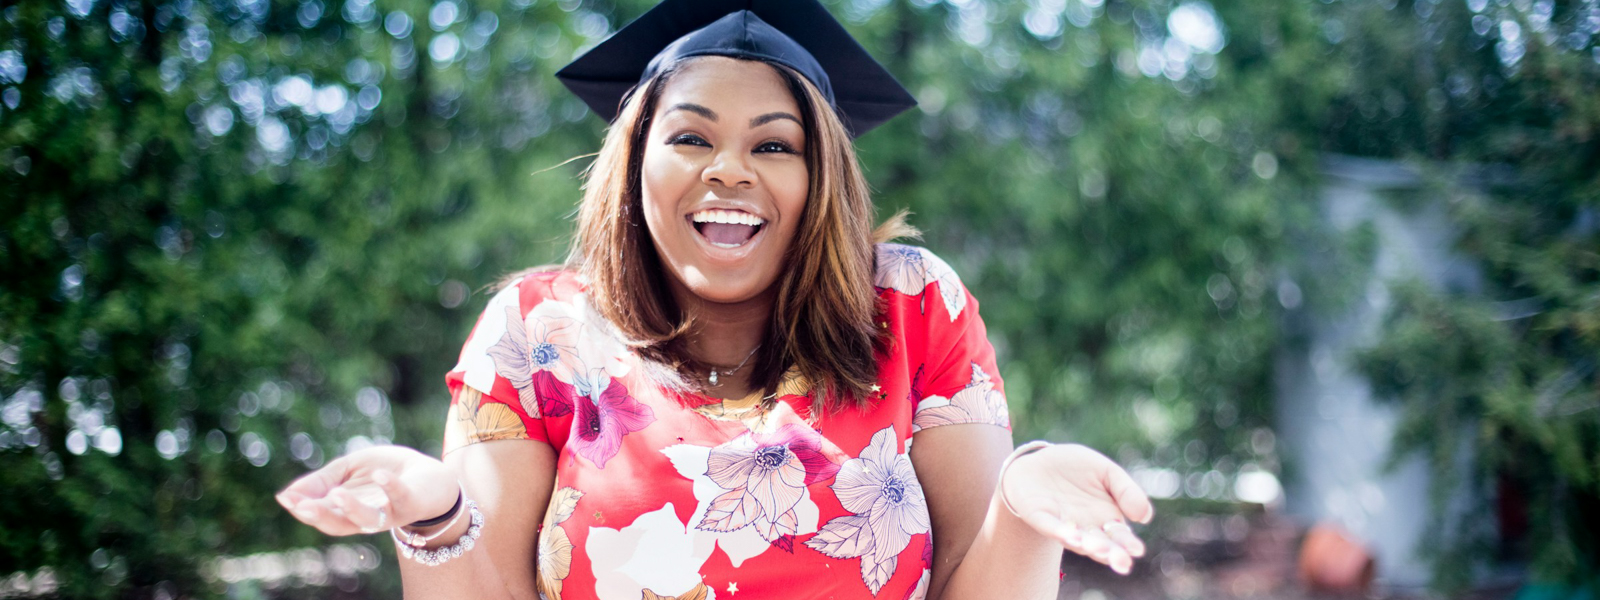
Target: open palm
1082,499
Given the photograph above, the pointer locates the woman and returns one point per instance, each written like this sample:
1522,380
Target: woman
720,392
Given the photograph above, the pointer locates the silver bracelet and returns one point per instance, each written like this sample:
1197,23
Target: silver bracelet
1021,451
416,540
439,556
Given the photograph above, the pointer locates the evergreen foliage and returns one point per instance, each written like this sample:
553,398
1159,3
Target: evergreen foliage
1500,103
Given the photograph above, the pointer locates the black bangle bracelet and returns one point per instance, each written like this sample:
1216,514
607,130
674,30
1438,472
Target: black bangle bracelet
441,518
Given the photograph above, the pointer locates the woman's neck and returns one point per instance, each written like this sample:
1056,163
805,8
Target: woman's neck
726,336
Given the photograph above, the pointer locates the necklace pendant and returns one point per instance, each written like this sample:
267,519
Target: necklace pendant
713,377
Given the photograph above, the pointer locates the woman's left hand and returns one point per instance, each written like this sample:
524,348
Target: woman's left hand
1081,499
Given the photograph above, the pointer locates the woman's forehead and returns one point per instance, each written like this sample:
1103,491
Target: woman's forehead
728,86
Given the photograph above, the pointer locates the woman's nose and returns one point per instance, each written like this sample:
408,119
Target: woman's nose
729,169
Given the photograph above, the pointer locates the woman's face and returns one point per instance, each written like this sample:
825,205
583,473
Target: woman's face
724,177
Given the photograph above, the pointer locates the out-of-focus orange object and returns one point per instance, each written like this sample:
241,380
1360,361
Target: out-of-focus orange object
1330,561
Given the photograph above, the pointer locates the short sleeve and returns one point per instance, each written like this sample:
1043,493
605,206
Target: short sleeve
494,387
956,380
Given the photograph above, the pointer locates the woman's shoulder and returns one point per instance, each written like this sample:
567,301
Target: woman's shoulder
913,270
533,286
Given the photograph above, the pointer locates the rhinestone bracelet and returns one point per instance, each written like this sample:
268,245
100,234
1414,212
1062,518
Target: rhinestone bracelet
439,556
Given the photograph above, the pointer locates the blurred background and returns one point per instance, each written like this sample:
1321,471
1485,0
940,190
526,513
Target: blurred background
1323,274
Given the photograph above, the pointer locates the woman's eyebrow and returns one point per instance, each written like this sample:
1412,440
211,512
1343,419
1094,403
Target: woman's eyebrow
694,108
773,116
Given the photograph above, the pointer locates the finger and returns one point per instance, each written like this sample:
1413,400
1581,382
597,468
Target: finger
1121,534
1066,533
401,502
1119,560
1124,546
288,499
1131,500
325,517
318,483
1096,545
366,507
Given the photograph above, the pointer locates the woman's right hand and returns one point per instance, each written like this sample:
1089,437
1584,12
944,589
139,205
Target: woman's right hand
372,490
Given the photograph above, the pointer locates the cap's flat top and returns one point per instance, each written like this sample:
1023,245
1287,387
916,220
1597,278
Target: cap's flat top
785,31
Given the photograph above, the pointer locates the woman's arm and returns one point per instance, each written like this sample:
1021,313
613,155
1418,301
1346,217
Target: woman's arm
510,480
983,550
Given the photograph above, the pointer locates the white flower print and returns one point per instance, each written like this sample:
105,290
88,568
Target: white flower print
881,489
655,552
536,350
978,402
909,270
766,476
598,344
543,354
476,366
921,591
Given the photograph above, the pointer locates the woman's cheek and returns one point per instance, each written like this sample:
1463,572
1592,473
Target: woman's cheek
793,186
663,185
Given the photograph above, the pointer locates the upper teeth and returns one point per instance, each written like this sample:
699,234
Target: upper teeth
727,216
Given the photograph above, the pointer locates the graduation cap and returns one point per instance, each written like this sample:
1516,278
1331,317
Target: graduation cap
799,34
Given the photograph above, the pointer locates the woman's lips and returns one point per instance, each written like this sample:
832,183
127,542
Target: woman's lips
726,229
726,235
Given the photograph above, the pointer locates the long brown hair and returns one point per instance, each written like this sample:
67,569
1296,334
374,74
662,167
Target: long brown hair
824,321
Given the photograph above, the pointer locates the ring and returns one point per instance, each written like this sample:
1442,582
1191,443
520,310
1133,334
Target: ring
383,520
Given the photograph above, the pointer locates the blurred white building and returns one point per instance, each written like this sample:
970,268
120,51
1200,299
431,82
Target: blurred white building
1335,436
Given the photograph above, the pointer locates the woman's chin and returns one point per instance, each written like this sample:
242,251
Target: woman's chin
719,286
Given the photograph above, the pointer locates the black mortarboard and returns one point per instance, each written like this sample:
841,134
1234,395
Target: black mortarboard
799,34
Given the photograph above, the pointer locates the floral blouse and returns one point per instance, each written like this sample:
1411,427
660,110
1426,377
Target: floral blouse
654,499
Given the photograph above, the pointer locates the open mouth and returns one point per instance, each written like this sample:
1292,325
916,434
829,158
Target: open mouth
726,228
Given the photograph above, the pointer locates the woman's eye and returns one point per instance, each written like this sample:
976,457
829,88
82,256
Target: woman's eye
775,147
689,139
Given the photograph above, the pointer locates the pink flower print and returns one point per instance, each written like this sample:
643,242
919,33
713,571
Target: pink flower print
978,402
915,394
605,413
536,354
555,395
766,476
910,270
882,491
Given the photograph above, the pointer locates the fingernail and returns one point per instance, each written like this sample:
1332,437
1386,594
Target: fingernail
1070,533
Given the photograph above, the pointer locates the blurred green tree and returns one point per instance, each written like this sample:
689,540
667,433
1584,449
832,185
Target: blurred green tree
242,238
1500,102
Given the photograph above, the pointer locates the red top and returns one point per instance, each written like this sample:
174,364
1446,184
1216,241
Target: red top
657,500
